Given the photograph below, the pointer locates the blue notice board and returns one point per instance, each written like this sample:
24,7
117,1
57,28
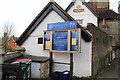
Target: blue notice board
67,40
62,25
60,41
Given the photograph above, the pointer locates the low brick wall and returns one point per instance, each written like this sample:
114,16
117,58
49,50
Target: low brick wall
44,71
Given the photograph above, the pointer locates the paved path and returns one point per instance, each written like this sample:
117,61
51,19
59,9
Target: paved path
111,72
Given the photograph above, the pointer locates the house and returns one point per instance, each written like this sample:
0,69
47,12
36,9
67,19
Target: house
86,63
9,43
108,20
97,13
12,42
109,23
82,13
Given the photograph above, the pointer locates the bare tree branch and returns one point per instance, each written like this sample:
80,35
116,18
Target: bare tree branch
7,32
8,28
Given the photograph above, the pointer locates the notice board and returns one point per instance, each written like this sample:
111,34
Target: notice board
66,40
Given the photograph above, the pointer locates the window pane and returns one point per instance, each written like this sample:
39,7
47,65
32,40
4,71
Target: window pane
80,21
40,40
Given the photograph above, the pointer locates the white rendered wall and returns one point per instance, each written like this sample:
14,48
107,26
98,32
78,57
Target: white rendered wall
82,61
35,66
87,16
31,44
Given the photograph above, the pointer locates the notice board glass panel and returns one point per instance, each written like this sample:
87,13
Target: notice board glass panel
47,41
60,41
74,46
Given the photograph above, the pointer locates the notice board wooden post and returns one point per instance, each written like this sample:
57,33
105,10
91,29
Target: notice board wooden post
71,65
51,63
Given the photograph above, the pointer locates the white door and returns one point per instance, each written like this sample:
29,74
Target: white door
35,70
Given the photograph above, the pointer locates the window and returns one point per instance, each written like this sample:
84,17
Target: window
40,40
80,21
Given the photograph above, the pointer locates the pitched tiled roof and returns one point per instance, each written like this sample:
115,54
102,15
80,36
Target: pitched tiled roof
103,12
50,6
98,12
108,14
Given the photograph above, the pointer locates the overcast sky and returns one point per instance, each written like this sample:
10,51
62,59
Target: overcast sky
21,13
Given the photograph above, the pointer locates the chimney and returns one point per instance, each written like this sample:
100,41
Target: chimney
83,0
108,4
119,3
51,0
94,5
73,0
119,7
104,24
103,4
104,21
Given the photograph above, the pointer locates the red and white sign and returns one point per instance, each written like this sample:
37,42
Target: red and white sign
78,9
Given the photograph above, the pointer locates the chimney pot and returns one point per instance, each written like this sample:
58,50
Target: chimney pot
103,21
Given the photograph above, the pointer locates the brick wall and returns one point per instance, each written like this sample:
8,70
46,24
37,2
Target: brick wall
44,72
102,48
113,29
119,31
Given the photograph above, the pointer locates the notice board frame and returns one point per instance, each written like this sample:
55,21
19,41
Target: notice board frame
69,40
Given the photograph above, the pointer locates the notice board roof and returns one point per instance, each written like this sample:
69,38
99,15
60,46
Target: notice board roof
62,25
